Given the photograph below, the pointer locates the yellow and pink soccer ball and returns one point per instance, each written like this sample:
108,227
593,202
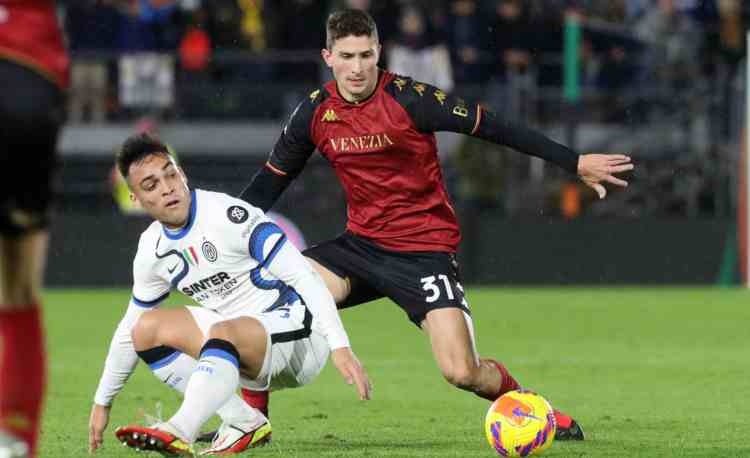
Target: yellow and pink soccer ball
520,423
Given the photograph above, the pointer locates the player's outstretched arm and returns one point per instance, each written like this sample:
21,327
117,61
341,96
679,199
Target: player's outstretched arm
352,371
595,169
434,110
98,422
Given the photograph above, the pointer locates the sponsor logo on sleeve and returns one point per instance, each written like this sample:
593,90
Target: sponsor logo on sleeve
237,214
440,96
461,109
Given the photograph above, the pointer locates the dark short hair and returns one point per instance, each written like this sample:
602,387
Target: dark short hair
344,23
136,148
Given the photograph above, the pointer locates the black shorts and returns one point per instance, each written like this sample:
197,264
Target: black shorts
418,281
31,112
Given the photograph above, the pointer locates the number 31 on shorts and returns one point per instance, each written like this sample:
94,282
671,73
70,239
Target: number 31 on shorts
432,285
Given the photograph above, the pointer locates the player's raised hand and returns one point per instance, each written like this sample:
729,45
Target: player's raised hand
97,424
595,169
352,371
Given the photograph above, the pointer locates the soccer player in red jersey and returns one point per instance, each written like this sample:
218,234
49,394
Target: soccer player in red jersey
34,74
377,131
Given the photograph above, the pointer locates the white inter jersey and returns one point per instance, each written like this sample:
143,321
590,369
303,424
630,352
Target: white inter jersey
221,259
229,258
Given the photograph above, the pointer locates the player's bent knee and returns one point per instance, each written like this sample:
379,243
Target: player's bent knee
145,332
250,339
461,376
239,331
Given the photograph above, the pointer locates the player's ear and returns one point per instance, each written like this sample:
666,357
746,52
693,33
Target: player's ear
136,202
327,56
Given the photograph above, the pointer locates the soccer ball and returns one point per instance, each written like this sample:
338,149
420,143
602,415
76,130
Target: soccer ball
520,423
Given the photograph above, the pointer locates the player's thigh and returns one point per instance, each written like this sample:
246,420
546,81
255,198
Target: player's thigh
295,354
452,340
420,282
338,287
346,264
177,328
22,262
31,113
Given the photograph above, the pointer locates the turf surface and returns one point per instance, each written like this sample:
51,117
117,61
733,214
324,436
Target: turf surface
647,372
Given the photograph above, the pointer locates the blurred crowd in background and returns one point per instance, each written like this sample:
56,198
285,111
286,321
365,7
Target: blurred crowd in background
663,77
449,43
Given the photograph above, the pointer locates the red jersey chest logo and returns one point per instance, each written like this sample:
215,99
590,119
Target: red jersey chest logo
343,130
362,143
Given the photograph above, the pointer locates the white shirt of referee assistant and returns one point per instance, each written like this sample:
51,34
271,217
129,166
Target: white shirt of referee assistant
233,261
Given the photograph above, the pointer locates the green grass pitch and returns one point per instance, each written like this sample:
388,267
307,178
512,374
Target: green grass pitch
647,372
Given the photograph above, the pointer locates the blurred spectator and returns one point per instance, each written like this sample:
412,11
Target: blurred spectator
466,35
223,24
612,11
415,52
243,25
674,42
514,37
147,27
303,25
514,82
731,36
195,50
634,9
92,31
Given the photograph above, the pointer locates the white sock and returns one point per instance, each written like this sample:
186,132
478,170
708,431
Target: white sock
212,384
176,374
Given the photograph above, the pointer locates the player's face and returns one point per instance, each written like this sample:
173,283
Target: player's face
161,188
354,62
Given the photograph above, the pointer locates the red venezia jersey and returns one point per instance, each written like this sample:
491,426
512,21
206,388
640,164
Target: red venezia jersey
30,35
384,152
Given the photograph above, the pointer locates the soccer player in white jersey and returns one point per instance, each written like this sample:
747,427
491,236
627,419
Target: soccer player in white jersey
266,319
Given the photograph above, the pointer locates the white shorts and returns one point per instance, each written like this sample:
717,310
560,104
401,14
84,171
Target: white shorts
296,353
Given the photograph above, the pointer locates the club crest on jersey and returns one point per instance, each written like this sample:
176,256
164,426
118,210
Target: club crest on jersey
209,251
237,214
